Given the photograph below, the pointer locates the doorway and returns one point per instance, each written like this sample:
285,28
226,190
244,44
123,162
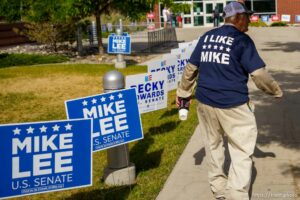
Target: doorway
187,19
209,7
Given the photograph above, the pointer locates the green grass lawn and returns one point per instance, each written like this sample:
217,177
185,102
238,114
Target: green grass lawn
37,93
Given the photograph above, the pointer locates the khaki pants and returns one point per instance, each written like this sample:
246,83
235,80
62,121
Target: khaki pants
239,125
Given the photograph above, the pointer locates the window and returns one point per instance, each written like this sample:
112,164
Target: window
209,8
264,5
198,21
198,8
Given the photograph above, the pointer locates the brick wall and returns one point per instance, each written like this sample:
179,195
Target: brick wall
156,15
289,7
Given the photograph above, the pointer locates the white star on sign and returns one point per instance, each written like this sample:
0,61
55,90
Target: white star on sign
221,48
17,131
68,127
85,103
111,97
227,49
209,46
43,129
120,96
216,47
56,127
94,101
103,99
30,130
204,46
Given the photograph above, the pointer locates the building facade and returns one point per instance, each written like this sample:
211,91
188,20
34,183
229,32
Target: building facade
201,11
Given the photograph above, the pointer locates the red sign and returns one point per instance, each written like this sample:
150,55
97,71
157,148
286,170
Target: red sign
275,18
150,15
254,18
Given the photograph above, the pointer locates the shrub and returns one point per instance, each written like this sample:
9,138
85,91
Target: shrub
258,24
279,24
50,34
8,60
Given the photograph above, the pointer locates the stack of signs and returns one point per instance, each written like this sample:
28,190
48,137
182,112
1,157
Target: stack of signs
45,157
169,65
191,44
151,90
116,118
187,49
182,59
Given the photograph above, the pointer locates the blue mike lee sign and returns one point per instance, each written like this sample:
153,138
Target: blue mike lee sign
119,44
45,156
116,118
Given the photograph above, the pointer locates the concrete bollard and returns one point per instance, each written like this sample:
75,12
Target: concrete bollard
119,170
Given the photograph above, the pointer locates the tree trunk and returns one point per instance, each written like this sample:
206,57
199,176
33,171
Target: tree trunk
99,33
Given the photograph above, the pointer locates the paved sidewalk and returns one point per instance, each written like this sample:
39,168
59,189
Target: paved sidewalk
272,174
276,171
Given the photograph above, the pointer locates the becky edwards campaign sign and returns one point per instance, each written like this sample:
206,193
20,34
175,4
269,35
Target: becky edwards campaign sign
182,60
151,90
168,65
116,117
45,157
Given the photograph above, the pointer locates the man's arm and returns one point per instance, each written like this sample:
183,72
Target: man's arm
188,81
264,81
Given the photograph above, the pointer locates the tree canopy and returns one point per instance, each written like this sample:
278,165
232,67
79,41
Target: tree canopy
57,13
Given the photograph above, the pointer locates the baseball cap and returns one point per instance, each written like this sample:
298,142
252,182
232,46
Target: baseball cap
234,8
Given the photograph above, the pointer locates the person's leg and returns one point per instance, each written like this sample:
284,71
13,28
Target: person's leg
240,126
211,133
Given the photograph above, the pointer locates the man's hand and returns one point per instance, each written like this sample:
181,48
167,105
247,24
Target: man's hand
178,101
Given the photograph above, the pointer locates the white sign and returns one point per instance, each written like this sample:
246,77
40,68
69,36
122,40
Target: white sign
286,18
188,50
188,44
151,90
169,65
182,60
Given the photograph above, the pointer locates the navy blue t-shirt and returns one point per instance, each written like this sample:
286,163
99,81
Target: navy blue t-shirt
225,58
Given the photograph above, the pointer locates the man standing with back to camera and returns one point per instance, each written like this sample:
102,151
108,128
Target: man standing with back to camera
223,59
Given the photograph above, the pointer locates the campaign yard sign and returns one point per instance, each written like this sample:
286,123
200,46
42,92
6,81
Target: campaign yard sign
275,18
297,18
191,44
116,118
169,65
254,18
151,90
285,18
182,60
265,18
119,44
45,157
188,50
